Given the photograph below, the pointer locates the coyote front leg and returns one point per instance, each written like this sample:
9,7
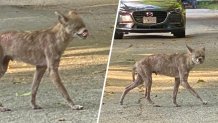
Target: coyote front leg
53,60
57,81
184,82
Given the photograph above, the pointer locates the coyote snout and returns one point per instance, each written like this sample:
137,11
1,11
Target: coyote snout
42,48
83,33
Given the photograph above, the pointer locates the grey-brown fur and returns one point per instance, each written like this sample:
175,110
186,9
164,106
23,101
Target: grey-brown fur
43,49
175,65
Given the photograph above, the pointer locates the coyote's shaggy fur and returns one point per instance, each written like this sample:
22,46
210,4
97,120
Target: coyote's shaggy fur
176,65
43,49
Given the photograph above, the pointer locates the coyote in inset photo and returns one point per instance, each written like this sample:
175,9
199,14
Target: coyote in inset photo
176,65
42,48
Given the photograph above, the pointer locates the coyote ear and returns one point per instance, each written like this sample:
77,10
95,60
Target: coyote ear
61,18
189,49
72,12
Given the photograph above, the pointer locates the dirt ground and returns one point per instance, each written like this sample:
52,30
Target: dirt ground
201,30
82,67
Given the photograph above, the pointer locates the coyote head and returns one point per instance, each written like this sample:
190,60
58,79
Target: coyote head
197,55
73,24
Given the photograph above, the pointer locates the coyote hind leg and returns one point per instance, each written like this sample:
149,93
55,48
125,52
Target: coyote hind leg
146,76
4,60
4,65
3,68
134,84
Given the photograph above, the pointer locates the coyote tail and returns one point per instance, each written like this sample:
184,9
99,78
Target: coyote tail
134,72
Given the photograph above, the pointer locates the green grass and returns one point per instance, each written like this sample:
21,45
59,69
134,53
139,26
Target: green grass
208,5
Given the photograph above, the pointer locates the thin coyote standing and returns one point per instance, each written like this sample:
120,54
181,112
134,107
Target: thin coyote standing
177,65
43,49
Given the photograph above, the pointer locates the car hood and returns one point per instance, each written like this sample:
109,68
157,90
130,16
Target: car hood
140,5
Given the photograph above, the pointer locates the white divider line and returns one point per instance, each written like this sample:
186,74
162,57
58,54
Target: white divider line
108,63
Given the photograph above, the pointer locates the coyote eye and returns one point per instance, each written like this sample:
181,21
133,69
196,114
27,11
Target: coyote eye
197,57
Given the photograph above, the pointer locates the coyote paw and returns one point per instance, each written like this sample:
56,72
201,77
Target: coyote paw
204,102
154,105
177,105
77,107
36,107
3,109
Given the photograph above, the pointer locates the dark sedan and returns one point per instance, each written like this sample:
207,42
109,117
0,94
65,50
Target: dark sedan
151,16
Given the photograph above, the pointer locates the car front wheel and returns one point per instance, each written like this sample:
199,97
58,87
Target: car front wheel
118,35
179,34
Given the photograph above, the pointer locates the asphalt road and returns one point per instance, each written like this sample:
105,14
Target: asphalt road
201,31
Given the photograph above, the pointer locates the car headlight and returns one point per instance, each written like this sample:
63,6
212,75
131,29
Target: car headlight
125,18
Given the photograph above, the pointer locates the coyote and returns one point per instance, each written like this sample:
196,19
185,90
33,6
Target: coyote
42,48
174,65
